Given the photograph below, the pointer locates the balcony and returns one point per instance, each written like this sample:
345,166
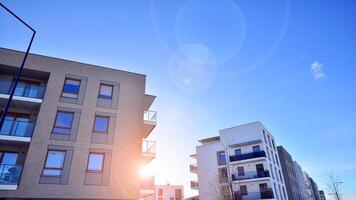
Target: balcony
19,131
266,194
250,175
28,93
194,185
9,176
246,156
148,150
149,121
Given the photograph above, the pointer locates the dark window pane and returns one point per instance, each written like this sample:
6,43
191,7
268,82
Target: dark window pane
101,124
95,162
238,152
256,148
71,88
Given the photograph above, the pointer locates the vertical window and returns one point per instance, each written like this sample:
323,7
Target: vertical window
221,158
101,124
71,88
105,91
277,159
269,158
63,122
264,135
223,175
95,162
54,163
272,156
160,192
240,171
270,166
274,147
280,176
238,152
243,190
256,148
269,140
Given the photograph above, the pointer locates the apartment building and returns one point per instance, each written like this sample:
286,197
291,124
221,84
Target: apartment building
322,195
169,192
73,131
300,179
242,162
315,189
289,174
309,187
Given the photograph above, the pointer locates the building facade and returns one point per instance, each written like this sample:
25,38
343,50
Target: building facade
315,189
300,179
308,186
73,131
242,161
169,192
322,195
289,174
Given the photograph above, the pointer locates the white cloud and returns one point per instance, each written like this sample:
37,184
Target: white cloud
317,70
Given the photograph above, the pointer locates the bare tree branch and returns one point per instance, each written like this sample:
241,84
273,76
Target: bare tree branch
334,185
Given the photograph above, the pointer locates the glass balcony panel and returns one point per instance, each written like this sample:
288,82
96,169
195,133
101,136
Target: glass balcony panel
17,128
10,174
23,89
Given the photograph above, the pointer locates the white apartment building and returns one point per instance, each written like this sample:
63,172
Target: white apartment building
243,158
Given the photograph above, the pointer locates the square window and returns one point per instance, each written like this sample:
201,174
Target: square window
243,189
240,171
238,152
101,124
54,163
71,88
63,122
256,148
105,91
95,162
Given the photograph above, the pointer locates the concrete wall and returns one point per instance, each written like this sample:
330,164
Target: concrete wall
123,182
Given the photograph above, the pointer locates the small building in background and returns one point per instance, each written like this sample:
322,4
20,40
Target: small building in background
169,192
322,195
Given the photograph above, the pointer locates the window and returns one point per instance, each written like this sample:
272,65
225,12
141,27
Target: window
221,158
71,88
105,91
238,152
270,166
243,189
223,175
63,122
264,135
274,147
95,162
269,158
240,171
256,148
54,163
272,157
269,140
178,193
280,175
8,158
277,159
160,192
263,187
101,124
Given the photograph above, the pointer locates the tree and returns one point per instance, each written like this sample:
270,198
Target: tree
334,185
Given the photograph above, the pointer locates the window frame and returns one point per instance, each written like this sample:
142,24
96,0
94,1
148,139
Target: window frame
256,146
245,191
107,125
242,171
104,96
54,168
102,164
63,127
64,84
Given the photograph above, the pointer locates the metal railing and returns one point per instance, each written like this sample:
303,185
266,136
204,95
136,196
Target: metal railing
10,174
149,146
245,156
17,128
150,116
250,175
265,194
23,89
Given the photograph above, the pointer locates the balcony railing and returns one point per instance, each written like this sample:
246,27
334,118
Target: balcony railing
250,175
17,128
148,147
265,194
10,174
245,156
23,89
150,116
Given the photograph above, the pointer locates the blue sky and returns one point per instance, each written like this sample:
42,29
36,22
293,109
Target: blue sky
215,64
